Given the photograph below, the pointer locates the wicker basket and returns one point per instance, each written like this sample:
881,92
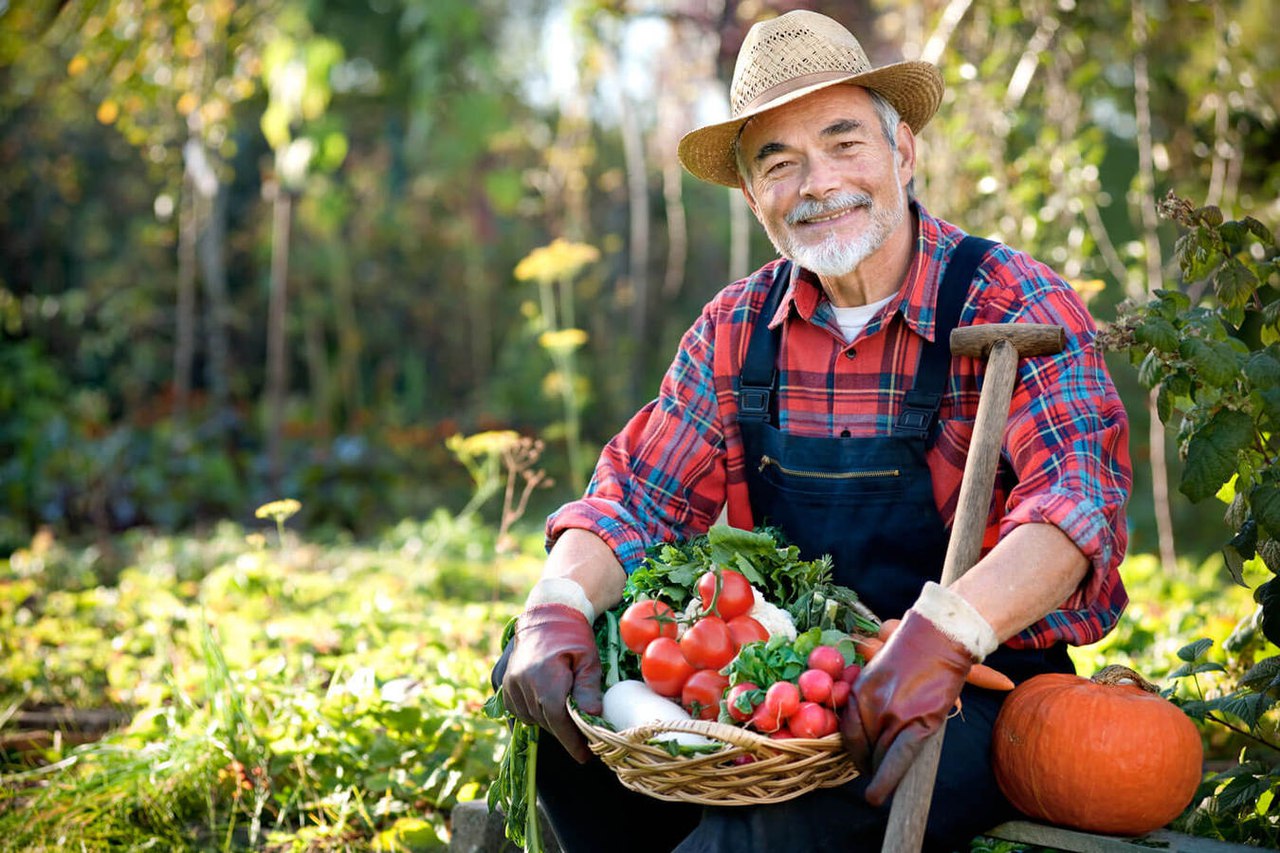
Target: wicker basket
782,769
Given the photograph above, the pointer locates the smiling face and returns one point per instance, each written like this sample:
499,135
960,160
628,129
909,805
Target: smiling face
826,183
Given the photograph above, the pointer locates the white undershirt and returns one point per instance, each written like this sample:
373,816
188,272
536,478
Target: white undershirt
853,320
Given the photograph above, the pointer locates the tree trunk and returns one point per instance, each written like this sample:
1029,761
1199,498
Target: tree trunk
213,268
277,368
1155,279
184,350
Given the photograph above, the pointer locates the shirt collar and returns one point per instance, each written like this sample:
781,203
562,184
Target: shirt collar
915,299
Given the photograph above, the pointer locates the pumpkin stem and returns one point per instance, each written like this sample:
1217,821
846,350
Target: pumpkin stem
1116,674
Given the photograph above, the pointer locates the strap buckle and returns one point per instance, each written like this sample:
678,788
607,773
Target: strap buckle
918,414
754,402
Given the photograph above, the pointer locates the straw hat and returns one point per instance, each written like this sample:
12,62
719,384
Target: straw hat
784,59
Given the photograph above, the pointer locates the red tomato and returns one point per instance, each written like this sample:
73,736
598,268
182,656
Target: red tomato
850,674
812,720
702,694
815,685
739,706
828,659
645,621
708,644
782,699
734,597
664,668
745,629
840,693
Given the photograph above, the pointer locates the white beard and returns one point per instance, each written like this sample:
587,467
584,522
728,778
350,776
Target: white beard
834,256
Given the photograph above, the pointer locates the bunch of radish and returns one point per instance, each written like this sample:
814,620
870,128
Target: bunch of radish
804,708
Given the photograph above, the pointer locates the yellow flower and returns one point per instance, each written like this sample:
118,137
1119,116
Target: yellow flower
560,259
1087,288
488,443
278,510
565,340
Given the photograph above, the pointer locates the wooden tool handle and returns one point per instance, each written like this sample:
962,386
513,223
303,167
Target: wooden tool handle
1029,339
910,810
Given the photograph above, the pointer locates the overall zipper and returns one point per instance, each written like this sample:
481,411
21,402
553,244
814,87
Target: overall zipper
766,461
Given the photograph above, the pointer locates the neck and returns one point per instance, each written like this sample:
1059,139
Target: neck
881,274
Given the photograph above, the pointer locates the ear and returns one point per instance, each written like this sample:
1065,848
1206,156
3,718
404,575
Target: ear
749,196
906,153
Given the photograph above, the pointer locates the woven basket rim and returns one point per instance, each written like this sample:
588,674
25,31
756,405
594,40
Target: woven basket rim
782,769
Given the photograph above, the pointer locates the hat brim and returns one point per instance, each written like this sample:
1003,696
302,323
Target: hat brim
914,88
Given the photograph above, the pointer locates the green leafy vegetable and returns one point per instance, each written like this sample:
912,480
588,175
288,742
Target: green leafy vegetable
514,792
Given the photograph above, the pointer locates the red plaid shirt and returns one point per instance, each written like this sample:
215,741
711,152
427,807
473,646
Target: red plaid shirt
679,460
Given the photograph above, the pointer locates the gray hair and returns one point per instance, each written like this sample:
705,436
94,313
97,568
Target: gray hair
885,111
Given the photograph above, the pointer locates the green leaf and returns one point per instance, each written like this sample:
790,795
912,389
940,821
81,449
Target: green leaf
1194,651
1262,369
1247,707
1172,302
1262,675
1268,405
1151,369
1196,668
1268,595
1164,403
1194,252
1269,551
1234,283
1241,793
1212,451
1157,333
1216,363
1264,501
1242,547
1259,230
1179,383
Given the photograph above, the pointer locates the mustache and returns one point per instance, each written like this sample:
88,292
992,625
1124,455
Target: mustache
813,208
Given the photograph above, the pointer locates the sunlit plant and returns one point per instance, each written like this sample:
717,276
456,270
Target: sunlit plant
553,267
279,511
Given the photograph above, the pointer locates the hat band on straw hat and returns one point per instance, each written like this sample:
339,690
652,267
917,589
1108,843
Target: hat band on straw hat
795,83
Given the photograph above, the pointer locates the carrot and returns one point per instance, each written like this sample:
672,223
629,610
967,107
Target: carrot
867,647
980,676
991,679
887,627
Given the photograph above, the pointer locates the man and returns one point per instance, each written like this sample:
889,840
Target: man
819,395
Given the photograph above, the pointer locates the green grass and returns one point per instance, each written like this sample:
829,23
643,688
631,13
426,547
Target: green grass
299,697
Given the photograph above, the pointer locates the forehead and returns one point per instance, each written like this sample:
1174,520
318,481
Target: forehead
809,115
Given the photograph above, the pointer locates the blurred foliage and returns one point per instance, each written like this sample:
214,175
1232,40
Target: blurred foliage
1210,349
290,697
445,139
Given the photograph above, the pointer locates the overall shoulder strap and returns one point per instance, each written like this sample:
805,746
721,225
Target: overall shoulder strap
920,410
758,382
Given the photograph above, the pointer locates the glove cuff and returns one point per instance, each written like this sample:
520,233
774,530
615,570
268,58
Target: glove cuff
564,591
957,619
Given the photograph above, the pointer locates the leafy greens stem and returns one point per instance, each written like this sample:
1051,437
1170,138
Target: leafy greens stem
532,837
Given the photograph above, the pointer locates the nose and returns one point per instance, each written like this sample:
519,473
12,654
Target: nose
821,178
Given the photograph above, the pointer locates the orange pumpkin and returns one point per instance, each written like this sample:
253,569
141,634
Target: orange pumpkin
1104,755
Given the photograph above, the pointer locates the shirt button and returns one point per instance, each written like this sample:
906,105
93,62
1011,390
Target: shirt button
850,353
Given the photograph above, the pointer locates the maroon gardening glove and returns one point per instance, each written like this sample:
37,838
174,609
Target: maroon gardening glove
902,696
554,654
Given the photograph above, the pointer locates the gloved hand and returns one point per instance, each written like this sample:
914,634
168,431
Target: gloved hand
554,654
905,692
